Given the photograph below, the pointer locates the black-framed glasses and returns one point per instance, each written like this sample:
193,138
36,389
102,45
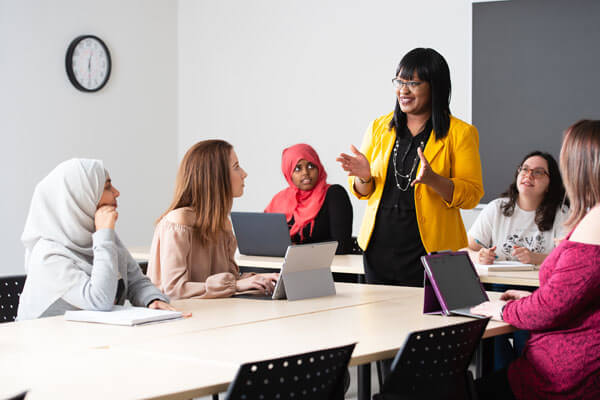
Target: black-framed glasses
411,85
537,173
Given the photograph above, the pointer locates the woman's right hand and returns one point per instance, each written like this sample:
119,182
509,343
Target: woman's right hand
514,295
263,282
356,165
106,217
486,256
161,305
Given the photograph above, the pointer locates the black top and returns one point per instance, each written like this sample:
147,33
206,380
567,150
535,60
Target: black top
395,248
333,222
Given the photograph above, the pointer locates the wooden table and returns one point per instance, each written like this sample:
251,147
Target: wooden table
61,335
55,358
378,328
353,264
343,263
109,374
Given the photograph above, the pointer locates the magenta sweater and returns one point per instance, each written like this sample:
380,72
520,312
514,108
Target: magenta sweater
562,357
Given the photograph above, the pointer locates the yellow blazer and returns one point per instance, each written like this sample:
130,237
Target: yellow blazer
455,157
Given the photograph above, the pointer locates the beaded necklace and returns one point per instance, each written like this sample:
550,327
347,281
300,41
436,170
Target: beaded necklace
408,176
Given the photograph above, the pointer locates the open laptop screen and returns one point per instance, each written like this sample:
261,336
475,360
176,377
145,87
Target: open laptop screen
456,279
261,234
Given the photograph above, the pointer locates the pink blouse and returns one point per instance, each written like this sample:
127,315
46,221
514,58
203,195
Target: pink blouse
181,267
562,357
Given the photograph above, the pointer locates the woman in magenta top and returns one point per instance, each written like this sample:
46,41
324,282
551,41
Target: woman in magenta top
562,357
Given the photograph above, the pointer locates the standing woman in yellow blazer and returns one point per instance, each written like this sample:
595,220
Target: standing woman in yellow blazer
417,167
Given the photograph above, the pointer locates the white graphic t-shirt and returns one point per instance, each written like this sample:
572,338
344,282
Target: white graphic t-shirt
492,228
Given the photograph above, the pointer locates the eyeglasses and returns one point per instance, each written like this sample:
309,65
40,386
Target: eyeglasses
411,85
536,173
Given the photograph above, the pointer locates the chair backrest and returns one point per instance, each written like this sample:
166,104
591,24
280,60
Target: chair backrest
10,290
355,246
143,266
314,375
19,396
434,363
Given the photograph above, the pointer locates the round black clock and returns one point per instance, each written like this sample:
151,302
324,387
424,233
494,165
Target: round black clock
88,63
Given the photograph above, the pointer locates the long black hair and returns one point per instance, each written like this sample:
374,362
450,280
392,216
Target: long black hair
431,67
552,201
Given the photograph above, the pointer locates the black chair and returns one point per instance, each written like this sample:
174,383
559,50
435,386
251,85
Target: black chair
10,291
314,375
433,364
143,266
20,396
355,246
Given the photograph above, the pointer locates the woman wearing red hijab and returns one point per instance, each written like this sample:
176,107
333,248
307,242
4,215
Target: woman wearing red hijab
315,211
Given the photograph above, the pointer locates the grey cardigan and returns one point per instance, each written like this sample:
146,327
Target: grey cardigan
111,262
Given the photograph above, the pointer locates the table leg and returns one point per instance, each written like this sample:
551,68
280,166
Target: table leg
484,357
478,358
364,381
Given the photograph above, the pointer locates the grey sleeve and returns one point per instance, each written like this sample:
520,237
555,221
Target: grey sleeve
98,290
141,291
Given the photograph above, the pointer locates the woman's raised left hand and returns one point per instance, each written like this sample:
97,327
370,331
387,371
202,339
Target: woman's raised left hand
426,174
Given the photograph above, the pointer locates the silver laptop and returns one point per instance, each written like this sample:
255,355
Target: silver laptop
305,273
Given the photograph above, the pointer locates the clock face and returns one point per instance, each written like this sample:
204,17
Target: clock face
88,63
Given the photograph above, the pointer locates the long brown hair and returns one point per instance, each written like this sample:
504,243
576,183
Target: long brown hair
203,183
580,167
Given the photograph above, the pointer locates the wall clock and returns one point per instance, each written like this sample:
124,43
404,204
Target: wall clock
88,63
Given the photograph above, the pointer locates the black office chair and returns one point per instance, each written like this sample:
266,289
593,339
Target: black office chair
355,246
314,375
433,364
20,396
143,266
10,291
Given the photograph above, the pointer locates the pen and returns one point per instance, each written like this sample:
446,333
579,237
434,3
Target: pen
483,245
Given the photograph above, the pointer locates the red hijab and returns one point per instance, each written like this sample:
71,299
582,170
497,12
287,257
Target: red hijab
303,205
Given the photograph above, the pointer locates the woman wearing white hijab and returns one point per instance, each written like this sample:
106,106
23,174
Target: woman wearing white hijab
73,257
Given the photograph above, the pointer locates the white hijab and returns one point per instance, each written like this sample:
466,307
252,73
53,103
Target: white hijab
58,233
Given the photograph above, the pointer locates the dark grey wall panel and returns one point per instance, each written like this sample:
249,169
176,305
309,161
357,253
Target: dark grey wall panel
536,70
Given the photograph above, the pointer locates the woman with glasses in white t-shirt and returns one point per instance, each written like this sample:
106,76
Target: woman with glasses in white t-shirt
526,222
523,225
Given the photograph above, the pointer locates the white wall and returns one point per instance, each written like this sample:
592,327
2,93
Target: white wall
266,74
131,124
263,74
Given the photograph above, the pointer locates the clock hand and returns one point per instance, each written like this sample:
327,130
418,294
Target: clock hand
90,70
